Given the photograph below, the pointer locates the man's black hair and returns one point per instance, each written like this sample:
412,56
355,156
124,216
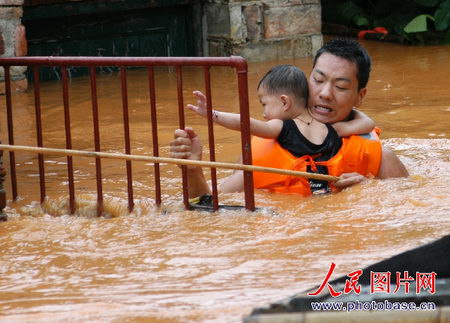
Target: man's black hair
286,78
352,51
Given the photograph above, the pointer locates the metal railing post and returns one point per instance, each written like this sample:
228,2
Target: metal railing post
182,126
98,163
211,144
68,138
12,156
123,63
151,86
241,68
37,106
126,128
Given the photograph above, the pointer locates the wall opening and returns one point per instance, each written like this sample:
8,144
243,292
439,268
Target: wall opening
110,28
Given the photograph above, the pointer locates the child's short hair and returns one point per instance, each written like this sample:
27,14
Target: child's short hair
286,78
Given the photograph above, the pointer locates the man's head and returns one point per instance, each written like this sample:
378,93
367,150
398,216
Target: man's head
338,80
352,51
282,86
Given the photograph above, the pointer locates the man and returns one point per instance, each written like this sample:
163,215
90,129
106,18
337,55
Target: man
337,84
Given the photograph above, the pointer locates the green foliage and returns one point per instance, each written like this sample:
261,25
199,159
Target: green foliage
347,12
447,37
416,21
352,13
442,16
428,3
418,24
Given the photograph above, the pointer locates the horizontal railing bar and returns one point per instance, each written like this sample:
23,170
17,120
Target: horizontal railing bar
167,160
234,61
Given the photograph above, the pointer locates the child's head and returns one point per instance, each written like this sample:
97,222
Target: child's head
281,84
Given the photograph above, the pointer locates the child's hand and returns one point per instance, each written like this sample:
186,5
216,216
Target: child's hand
200,108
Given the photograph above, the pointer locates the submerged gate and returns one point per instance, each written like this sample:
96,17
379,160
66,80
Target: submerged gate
122,63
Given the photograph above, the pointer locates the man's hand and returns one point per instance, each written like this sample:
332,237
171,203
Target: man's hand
349,179
186,145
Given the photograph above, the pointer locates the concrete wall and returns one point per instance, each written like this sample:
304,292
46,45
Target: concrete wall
13,41
262,30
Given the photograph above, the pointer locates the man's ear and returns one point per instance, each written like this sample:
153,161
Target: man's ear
286,100
361,95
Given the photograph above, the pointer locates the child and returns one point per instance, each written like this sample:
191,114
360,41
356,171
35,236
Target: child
283,94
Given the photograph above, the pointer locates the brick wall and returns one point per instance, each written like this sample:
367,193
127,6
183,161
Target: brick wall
262,30
12,41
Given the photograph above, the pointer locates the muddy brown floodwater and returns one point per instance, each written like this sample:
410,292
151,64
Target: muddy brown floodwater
172,265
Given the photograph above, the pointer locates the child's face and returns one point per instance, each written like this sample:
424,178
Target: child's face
273,106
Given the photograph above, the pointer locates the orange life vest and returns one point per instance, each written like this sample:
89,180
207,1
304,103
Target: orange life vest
361,154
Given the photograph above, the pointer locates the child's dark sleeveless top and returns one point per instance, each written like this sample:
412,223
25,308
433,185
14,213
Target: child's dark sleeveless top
292,139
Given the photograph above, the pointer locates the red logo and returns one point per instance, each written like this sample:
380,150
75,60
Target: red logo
380,282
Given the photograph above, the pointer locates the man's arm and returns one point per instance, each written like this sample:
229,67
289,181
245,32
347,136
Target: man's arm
233,183
196,182
359,124
187,145
391,166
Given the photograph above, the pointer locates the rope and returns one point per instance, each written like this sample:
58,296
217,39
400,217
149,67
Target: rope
177,161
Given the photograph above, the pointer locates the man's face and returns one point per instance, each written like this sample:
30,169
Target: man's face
333,89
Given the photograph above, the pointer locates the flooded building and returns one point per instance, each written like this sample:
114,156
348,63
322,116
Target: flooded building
256,30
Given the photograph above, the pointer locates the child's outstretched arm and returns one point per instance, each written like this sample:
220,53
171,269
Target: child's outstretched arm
358,125
264,129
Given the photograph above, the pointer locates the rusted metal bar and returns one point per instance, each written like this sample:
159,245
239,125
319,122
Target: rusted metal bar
234,61
3,216
68,137
98,164
12,156
182,126
245,135
151,89
126,128
212,150
237,62
37,107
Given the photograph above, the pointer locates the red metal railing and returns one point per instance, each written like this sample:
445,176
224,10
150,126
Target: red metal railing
238,63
